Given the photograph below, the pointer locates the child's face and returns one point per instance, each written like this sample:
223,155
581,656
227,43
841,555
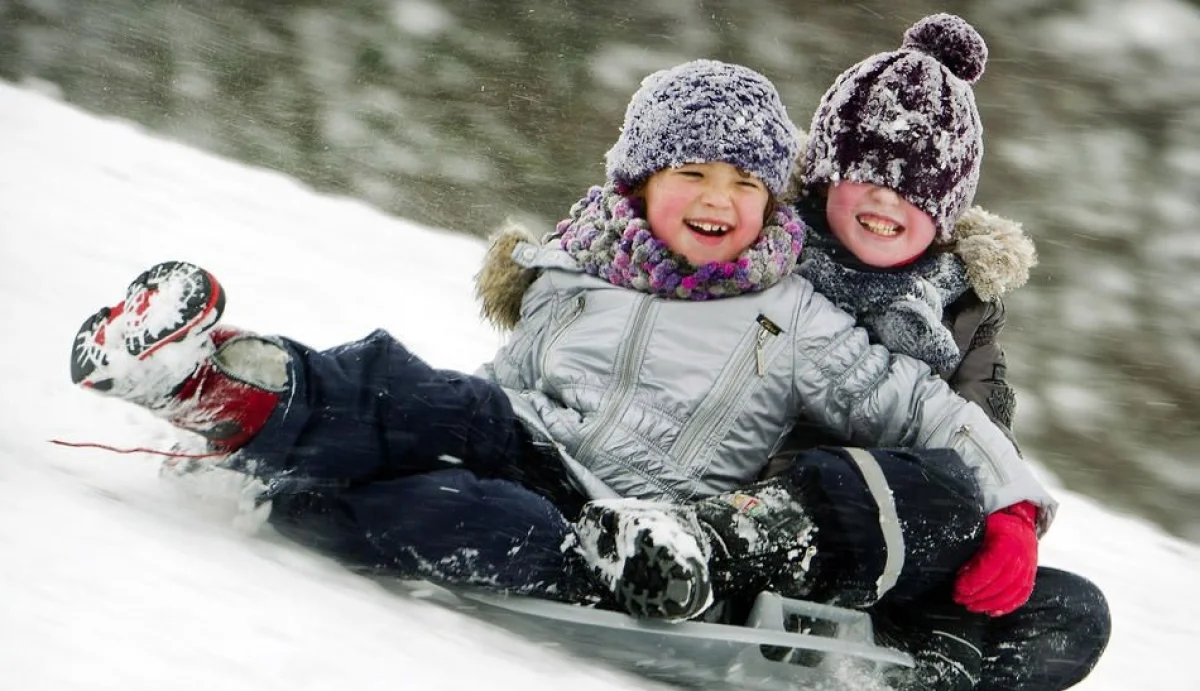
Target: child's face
707,212
878,225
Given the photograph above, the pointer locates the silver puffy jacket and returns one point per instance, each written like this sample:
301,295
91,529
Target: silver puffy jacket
670,399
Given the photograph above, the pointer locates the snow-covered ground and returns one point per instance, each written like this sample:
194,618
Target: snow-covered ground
111,579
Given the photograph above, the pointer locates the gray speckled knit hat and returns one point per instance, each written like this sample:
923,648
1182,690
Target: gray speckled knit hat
907,120
702,111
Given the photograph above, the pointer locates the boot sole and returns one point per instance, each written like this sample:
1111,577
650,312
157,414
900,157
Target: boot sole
656,584
201,308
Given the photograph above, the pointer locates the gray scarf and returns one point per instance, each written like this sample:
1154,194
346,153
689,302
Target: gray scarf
902,307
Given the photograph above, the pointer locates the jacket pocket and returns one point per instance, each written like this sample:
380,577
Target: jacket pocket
964,436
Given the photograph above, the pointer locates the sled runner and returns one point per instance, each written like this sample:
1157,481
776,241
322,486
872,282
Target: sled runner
833,644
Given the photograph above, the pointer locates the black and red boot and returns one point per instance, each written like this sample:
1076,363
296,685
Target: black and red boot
161,348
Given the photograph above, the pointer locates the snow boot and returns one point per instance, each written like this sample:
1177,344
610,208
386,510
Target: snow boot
652,556
161,349
669,561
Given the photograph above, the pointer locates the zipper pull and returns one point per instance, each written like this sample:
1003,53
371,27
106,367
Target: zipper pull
760,360
769,328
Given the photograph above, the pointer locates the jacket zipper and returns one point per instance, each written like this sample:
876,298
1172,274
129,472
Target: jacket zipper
730,391
626,371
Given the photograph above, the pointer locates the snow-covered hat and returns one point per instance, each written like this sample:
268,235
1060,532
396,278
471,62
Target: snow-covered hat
704,111
907,120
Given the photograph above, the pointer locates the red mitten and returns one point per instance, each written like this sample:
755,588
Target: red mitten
999,578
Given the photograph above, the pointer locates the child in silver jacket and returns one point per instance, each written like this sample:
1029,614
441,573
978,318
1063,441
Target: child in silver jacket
661,369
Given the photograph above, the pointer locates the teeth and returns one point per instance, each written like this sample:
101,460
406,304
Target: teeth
880,227
710,228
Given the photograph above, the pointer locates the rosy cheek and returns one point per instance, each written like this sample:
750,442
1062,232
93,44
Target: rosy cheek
665,210
659,219
839,223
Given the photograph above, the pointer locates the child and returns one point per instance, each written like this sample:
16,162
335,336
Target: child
661,344
886,181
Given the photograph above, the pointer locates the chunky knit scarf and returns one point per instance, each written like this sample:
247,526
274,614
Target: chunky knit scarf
608,236
902,308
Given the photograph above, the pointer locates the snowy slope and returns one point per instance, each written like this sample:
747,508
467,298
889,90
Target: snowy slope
112,580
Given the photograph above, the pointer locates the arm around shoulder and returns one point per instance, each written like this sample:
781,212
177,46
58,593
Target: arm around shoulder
876,398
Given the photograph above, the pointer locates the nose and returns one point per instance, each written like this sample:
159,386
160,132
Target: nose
884,195
716,195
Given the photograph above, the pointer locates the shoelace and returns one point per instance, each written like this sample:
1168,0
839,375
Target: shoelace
136,449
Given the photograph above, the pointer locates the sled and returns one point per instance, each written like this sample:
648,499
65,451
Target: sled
832,645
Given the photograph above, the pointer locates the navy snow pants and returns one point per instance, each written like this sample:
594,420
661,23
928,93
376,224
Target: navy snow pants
1050,643
356,459
392,466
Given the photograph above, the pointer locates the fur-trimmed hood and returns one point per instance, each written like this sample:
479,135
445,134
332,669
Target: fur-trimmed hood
996,251
501,281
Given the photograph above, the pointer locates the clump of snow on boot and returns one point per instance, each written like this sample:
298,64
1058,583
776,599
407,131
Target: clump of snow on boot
166,313
652,556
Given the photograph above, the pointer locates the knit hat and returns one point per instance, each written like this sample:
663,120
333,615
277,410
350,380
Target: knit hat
907,120
704,111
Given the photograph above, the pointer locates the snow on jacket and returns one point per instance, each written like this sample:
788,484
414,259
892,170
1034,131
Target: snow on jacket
669,399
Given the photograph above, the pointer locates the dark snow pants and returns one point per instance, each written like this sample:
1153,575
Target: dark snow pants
390,465
1050,643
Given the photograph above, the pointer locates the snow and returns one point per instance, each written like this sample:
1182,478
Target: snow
113,580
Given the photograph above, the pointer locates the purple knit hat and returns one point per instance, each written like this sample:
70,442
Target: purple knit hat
907,120
702,111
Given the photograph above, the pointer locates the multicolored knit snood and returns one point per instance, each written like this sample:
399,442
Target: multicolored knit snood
608,235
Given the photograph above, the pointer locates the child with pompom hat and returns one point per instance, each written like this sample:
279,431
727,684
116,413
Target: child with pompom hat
885,186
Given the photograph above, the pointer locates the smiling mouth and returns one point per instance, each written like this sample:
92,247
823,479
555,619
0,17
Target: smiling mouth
712,230
879,226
